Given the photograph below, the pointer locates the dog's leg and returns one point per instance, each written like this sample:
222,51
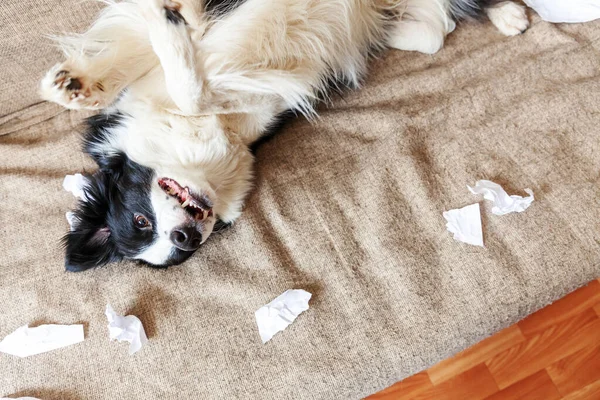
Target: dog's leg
226,90
171,40
422,26
100,63
510,18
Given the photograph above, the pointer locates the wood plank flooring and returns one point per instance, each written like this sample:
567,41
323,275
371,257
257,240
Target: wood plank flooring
552,354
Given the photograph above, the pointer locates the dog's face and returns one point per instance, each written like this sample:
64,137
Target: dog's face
131,211
161,207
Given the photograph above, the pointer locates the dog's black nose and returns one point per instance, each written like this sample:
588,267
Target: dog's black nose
186,238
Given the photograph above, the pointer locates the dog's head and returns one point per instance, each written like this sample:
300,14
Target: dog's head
128,211
132,211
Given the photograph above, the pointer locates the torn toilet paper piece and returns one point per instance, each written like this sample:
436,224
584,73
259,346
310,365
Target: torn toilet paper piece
566,10
278,314
19,398
127,328
465,224
75,184
503,203
25,341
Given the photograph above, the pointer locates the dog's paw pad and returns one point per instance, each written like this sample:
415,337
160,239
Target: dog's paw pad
63,80
510,18
66,88
72,85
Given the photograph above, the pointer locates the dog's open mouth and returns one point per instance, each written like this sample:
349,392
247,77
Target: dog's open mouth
195,205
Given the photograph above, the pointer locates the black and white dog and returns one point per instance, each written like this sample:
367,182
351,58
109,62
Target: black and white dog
185,88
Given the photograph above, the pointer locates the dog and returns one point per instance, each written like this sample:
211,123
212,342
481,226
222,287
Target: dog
184,89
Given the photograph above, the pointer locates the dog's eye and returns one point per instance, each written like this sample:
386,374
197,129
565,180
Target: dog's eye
140,221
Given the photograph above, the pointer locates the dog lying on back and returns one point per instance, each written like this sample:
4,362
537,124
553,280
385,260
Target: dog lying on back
185,88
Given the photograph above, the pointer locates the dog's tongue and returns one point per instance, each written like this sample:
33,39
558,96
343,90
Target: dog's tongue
185,198
173,188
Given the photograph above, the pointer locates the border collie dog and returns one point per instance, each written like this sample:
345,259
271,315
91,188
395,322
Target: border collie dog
185,88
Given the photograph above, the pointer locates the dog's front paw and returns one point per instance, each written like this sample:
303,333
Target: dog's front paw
61,85
510,18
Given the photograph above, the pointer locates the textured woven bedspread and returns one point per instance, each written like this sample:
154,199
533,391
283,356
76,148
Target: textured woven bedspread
348,207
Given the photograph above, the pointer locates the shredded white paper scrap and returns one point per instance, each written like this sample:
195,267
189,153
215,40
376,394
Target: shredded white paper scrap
566,10
127,328
26,341
465,224
503,203
19,398
279,313
75,184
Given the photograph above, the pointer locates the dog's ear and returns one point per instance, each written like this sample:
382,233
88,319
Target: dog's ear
111,163
90,243
88,248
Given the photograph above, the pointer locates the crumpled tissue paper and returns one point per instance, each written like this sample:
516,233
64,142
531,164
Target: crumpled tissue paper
566,10
19,398
503,203
26,341
127,328
279,313
465,224
75,184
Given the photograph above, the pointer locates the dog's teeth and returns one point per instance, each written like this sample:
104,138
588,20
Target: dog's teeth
185,203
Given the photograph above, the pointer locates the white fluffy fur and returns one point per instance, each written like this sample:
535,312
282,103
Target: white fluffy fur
198,94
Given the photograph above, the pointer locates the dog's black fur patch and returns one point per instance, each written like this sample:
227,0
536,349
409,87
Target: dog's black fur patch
89,244
469,9
174,16
98,133
104,228
220,8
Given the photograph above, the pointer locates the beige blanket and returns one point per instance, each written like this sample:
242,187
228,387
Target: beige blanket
348,208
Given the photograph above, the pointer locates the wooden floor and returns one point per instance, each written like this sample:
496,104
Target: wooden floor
552,354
